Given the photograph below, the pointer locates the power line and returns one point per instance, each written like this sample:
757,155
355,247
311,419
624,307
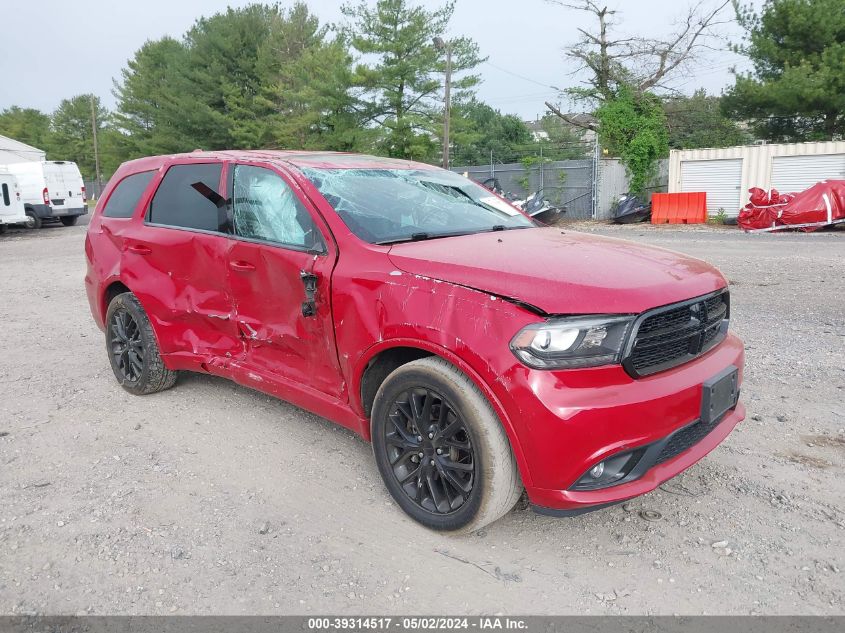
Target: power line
523,77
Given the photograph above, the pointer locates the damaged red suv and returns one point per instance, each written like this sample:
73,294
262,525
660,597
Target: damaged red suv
480,353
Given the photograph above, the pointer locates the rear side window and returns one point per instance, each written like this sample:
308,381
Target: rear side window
124,199
187,198
6,200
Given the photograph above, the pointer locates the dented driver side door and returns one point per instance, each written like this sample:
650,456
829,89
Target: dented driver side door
279,268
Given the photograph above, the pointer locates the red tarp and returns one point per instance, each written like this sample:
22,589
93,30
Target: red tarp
820,205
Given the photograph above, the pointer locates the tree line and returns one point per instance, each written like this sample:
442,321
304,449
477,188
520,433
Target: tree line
794,92
268,76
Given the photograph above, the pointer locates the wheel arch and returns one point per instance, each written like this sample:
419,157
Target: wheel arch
110,291
384,357
117,286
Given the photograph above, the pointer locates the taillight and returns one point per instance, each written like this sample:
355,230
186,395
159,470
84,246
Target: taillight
84,199
46,195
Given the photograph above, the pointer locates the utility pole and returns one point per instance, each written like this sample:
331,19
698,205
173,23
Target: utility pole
96,147
440,44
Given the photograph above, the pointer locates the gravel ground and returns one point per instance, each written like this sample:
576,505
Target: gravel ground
214,499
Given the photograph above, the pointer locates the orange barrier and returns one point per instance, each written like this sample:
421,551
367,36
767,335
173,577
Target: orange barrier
679,208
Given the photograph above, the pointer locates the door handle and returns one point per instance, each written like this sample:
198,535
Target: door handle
309,280
241,266
139,249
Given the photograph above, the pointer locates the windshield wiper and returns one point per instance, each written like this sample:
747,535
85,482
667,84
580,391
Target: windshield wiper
421,237
502,227
414,237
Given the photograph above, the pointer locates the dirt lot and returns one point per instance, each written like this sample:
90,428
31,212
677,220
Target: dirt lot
113,504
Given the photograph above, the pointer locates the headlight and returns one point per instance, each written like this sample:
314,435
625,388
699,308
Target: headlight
572,342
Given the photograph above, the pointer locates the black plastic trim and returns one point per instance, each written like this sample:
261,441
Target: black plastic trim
574,512
627,362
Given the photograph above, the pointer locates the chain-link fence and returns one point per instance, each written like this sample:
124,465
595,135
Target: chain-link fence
93,190
567,184
584,188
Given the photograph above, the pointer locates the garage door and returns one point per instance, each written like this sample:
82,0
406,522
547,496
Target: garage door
796,173
720,179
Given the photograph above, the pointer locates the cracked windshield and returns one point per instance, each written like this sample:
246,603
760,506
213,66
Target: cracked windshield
383,206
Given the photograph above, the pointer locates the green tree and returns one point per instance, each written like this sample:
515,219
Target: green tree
257,76
401,85
622,73
310,74
223,76
72,137
26,125
797,89
633,127
478,129
698,121
148,114
634,62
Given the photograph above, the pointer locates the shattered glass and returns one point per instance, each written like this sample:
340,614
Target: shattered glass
386,205
265,208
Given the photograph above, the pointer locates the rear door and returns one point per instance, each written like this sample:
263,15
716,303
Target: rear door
176,262
65,187
11,206
280,267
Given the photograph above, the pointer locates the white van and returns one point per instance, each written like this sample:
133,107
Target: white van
11,205
51,190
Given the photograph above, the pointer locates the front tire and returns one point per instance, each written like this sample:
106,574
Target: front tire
132,348
69,220
441,449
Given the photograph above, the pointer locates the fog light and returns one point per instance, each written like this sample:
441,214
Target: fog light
609,471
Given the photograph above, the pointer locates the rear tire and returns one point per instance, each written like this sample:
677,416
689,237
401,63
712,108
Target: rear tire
3,229
467,477
33,221
69,220
133,350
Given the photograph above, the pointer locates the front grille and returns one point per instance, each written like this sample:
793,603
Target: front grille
678,333
686,438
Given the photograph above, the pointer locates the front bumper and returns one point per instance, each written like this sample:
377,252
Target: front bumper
575,502
573,419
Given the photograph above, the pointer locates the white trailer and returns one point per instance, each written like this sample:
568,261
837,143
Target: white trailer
11,204
51,190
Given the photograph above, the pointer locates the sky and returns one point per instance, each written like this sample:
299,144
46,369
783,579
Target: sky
54,49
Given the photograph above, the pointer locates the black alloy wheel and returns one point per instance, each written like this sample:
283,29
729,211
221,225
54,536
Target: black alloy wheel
126,344
132,348
430,451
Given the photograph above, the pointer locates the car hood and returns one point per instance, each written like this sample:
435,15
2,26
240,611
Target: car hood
561,272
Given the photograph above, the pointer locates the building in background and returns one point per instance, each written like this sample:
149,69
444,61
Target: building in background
12,151
726,174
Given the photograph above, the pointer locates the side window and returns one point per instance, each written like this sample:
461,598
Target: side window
6,199
187,197
124,198
265,208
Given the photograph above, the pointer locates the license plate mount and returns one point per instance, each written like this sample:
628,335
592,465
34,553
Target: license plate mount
719,394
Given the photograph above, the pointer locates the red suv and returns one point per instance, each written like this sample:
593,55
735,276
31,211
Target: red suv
479,352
